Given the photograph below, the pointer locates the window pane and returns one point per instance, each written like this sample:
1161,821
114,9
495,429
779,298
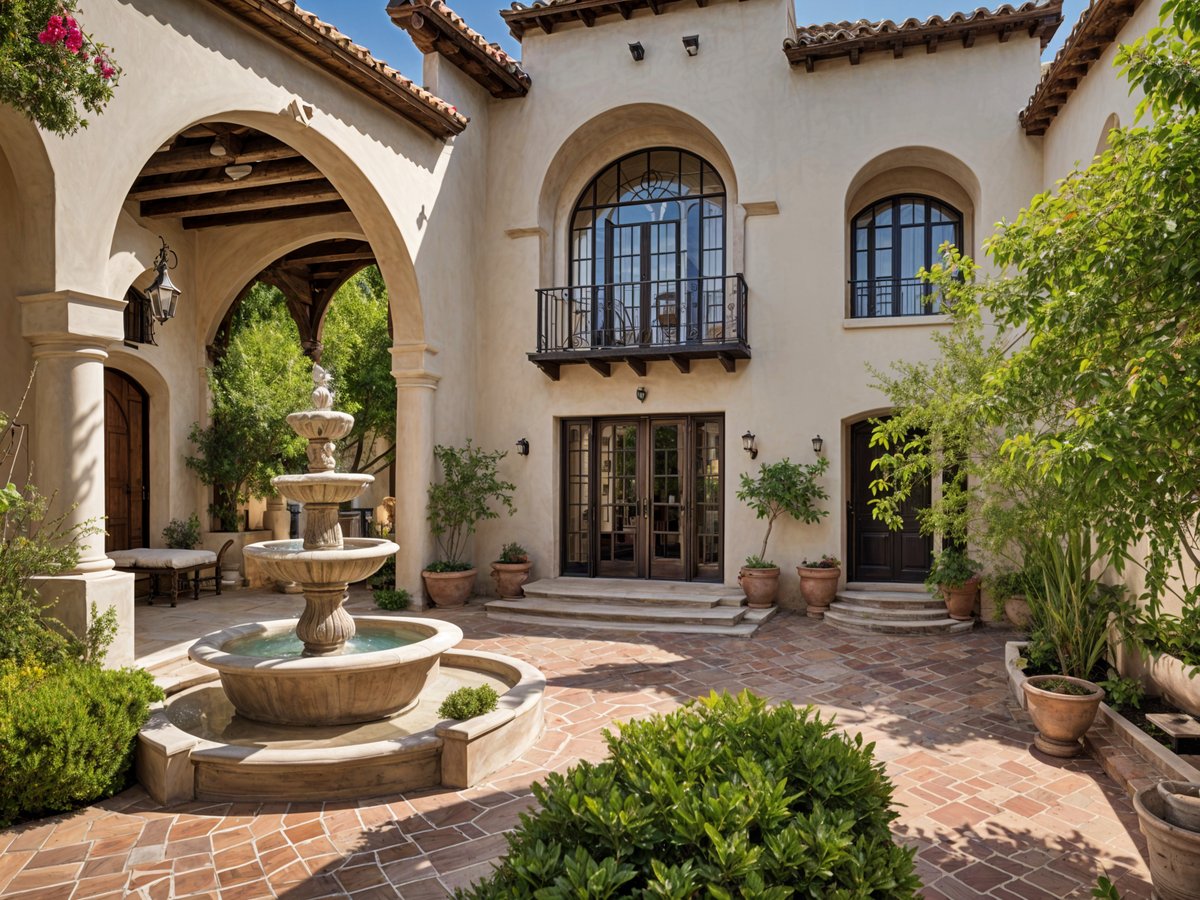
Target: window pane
883,214
606,186
664,168
912,251
633,176
860,239
712,181
942,234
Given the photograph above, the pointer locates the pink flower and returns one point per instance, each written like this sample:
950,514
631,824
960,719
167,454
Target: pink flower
74,38
54,30
106,70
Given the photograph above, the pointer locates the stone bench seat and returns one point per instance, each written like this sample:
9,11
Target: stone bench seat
173,563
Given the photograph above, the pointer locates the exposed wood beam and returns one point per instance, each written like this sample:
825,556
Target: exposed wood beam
186,159
299,258
242,201
278,213
550,369
682,363
638,366
602,367
728,362
285,171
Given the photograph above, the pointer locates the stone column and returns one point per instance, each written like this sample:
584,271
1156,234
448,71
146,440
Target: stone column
70,333
416,381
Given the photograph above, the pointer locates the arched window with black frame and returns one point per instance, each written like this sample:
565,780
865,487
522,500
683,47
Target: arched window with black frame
892,240
647,254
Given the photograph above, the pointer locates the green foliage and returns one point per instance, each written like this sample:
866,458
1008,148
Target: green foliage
757,562
723,798
1122,693
513,553
951,568
1105,889
386,576
469,702
67,734
462,499
825,562
784,488
261,377
182,534
447,565
49,74
391,599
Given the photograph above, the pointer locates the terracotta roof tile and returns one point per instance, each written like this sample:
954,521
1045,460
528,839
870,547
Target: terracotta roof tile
546,14
1040,18
321,43
435,27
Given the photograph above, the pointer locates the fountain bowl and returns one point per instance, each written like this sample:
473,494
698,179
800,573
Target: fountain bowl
321,424
328,487
289,561
328,690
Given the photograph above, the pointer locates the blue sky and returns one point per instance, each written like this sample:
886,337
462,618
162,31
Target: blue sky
368,24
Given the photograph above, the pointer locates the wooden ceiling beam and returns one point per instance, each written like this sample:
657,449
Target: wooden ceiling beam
279,213
365,255
186,159
242,201
286,171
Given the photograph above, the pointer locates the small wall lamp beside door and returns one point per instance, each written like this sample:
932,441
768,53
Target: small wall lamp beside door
523,447
749,444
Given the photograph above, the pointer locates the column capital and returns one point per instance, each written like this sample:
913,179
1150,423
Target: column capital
71,321
414,364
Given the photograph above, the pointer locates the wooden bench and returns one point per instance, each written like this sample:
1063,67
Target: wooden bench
173,563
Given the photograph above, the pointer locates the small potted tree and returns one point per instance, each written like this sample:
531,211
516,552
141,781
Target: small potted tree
818,583
955,577
470,485
511,571
780,488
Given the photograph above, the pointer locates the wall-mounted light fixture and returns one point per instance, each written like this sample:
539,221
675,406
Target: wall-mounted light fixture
748,444
641,394
818,443
523,447
163,295
637,51
691,43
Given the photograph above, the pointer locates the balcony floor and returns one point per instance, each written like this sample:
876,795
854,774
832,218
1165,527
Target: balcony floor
602,359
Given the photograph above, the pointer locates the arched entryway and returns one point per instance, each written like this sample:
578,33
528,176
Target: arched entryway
875,552
126,462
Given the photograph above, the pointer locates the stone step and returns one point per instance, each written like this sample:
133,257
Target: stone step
625,591
720,617
892,600
903,587
900,614
741,630
864,625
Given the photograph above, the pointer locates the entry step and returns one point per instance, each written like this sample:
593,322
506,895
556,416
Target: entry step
636,591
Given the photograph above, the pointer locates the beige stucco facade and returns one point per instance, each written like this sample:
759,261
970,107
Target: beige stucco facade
466,230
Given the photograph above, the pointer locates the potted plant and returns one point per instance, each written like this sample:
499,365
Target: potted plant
1071,612
780,488
511,571
1010,590
955,576
182,534
1172,838
819,583
464,497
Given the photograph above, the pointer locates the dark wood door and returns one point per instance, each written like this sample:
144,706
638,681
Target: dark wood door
126,462
876,552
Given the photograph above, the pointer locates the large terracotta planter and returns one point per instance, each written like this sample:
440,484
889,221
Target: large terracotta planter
510,577
818,587
1174,853
449,590
1016,610
761,586
1173,679
1061,719
960,601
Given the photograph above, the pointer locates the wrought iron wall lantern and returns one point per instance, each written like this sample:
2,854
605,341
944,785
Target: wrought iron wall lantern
162,294
637,51
691,43
641,394
748,444
818,444
523,447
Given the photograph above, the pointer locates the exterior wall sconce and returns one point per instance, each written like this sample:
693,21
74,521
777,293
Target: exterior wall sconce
641,394
691,44
637,51
523,447
163,295
818,443
748,444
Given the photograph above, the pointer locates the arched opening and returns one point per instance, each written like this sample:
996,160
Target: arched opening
1112,123
126,462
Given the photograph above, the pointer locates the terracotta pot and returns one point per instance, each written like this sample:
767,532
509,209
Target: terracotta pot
1016,610
1173,679
818,587
1174,853
1061,719
509,578
960,601
1181,803
760,585
449,590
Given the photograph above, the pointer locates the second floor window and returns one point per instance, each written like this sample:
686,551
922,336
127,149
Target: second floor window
892,240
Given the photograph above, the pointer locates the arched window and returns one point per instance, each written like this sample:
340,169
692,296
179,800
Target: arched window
647,252
893,239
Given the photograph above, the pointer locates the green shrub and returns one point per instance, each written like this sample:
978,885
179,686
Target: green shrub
388,599
443,565
951,568
469,702
783,488
513,553
182,534
386,576
67,734
723,798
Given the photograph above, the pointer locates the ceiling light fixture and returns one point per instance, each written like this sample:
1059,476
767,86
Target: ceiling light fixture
216,148
238,172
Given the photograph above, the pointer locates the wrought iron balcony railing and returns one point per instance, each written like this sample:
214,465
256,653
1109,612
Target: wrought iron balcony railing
894,297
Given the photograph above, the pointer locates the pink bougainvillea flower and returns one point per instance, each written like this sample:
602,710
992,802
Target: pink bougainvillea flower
74,39
54,30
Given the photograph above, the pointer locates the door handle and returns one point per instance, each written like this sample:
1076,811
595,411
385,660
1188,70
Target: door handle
645,507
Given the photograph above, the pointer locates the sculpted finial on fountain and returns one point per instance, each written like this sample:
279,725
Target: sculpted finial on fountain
322,395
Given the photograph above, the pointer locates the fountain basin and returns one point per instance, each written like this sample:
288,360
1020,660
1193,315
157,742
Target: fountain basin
324,488
328,690
289,561
321,424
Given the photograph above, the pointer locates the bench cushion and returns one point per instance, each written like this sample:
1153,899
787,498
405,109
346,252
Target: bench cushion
146,558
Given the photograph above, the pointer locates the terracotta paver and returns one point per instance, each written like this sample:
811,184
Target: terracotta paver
989,816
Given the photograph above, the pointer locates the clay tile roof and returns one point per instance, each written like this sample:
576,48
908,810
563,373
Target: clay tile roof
545,14
320,43
435,27
1040,18
1096,29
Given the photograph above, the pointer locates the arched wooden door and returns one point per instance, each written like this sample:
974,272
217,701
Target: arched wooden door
126,462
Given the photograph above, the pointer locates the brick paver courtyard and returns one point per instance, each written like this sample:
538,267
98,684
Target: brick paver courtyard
989,817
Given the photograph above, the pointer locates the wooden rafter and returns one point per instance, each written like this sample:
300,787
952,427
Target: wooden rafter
286,171
242,200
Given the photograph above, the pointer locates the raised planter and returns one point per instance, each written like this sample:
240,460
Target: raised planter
1173,680
818,587
1061,719
510,578
761,586
1174,852
450,590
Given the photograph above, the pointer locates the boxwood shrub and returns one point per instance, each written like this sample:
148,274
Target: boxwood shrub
723,798
67,734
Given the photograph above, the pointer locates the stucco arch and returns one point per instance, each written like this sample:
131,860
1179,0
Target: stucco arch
27,186
1112,123
607,137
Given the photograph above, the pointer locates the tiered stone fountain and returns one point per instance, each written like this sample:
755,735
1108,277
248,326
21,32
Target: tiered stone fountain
298,694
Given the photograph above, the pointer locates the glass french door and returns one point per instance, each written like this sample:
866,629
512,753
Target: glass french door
642,497
641,275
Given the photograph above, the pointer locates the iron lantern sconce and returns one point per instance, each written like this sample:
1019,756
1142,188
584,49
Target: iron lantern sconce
749,445
691,43
523,447
641,394
637,51
818,444
162,293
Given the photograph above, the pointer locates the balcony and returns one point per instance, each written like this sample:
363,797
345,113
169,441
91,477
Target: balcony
680,320
885,297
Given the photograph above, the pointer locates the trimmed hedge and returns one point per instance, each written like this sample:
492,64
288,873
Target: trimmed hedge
469,702
723,798
67,734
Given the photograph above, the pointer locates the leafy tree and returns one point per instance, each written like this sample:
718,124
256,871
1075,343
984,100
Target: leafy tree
783,488
463,498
